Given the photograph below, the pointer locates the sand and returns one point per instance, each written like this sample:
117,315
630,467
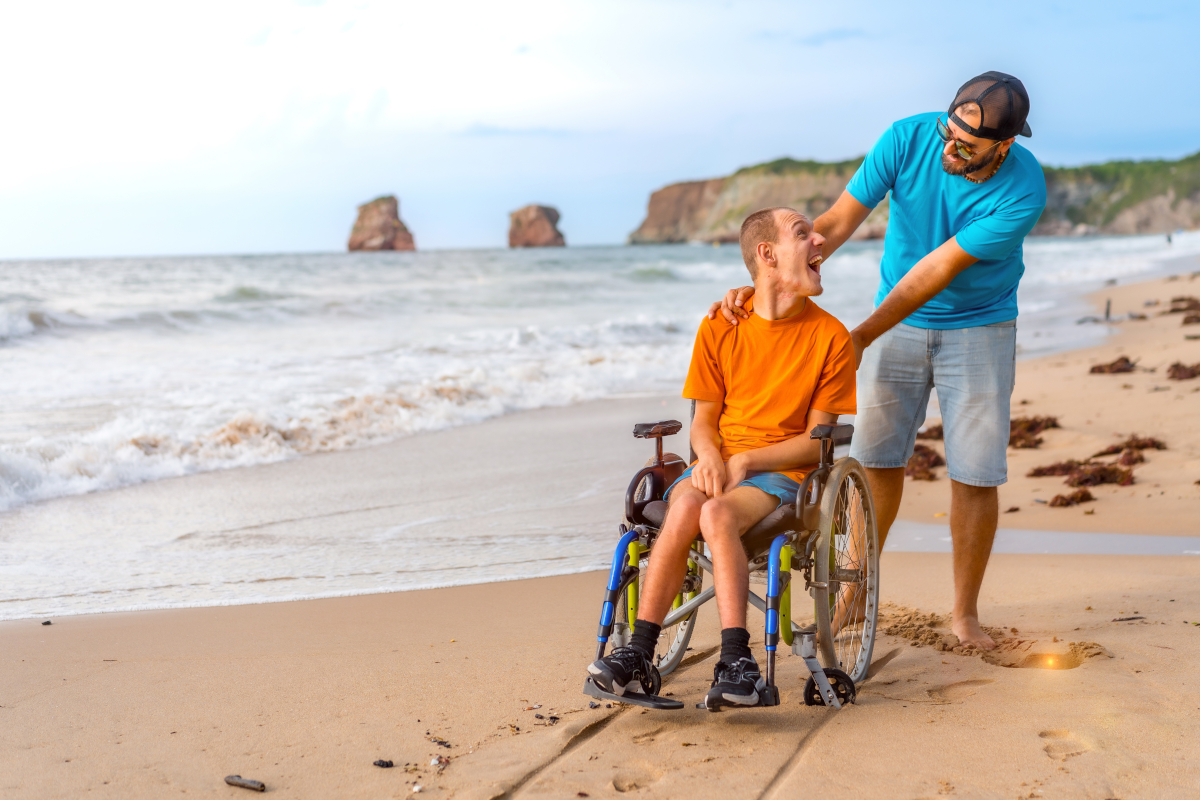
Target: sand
1095,411
305,695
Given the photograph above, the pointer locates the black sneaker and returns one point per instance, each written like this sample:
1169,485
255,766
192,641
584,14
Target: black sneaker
625,667
736,684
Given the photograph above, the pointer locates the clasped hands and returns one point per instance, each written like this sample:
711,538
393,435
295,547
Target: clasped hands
715,478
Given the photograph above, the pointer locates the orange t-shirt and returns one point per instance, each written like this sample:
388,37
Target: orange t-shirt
769,373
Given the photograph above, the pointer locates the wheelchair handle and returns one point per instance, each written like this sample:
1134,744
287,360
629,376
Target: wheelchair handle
809,514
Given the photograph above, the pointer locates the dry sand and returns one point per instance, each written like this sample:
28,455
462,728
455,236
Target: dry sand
305,695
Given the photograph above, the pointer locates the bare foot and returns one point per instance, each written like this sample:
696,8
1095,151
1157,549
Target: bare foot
969,633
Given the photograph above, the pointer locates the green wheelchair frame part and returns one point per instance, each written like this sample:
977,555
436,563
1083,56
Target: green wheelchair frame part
632,596
785,597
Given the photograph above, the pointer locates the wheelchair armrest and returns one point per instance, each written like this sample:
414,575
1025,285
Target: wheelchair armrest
657,430
838,433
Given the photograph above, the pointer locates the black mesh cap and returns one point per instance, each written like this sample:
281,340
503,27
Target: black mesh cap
1003,106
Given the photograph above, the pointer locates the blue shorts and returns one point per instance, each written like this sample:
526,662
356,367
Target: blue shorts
973,370
775,484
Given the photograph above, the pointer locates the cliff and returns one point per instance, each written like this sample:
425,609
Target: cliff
378,227
1122,197
1118,197
535,226
713,210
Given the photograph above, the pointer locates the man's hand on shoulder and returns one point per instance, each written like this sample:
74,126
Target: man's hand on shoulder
709,476
731,306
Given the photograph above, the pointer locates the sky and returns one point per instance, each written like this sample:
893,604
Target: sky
159,128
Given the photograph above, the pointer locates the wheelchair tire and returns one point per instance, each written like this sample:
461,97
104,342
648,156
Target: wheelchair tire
674,638
847,562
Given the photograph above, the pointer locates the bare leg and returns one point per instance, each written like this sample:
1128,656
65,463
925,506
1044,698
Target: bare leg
724,520
668,560
974,513
887,487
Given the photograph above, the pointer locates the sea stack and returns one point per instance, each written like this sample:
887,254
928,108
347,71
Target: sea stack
535,226
378,227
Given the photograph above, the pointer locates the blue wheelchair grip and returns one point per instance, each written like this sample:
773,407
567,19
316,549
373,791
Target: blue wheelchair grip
773,565
619,559
773,591
608,609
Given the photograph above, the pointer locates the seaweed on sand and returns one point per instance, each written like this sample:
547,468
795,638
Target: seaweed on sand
1060,468
1023,431
1122,364
1074,498
1182,372
920,466
1134,442
1096,474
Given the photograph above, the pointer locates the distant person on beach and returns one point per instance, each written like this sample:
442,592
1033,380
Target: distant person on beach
963,197
759,388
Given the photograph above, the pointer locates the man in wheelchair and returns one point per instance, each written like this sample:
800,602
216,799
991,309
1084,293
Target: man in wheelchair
760,388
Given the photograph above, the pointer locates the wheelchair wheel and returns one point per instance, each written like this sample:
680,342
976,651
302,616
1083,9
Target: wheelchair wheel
674,639
847,562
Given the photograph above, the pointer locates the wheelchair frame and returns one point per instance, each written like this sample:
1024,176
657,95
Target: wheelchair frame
777,544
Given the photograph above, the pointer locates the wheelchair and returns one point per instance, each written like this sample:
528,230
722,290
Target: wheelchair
828,536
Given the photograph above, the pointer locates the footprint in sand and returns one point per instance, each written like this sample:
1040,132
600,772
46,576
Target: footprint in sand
628,780
648,736
955,692
1062,744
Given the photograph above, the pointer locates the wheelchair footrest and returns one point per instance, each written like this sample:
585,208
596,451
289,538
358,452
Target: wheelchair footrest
767,696
633,698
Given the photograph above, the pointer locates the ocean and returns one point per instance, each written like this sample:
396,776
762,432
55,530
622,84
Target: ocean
124,370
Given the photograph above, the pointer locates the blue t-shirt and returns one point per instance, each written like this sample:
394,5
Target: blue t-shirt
928,207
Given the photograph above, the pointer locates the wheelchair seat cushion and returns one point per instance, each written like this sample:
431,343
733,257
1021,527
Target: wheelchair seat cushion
781,520
655,513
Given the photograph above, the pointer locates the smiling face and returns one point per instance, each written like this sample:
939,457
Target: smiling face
986,150
795,258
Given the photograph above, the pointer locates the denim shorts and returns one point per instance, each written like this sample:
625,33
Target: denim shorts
973,370
773,483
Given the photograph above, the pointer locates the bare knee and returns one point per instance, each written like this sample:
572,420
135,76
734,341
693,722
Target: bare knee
719,520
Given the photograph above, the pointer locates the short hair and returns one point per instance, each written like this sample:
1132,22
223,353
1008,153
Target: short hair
761,226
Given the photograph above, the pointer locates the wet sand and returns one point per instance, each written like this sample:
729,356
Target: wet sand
306,695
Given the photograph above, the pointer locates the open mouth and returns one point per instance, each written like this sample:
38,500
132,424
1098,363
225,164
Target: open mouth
814,263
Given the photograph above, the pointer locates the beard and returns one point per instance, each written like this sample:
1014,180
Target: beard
968,167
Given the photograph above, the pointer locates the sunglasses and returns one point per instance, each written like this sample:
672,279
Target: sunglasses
964,150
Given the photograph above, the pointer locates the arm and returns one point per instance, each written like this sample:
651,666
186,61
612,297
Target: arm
837,225
709,473
928,277
794,452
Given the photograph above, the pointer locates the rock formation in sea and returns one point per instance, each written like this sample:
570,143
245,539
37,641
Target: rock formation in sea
535,226
378,227
1119,197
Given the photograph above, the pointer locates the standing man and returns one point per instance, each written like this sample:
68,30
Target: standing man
964,196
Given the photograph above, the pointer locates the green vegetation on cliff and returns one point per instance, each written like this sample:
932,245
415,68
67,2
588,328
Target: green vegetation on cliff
790,166
1095,195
